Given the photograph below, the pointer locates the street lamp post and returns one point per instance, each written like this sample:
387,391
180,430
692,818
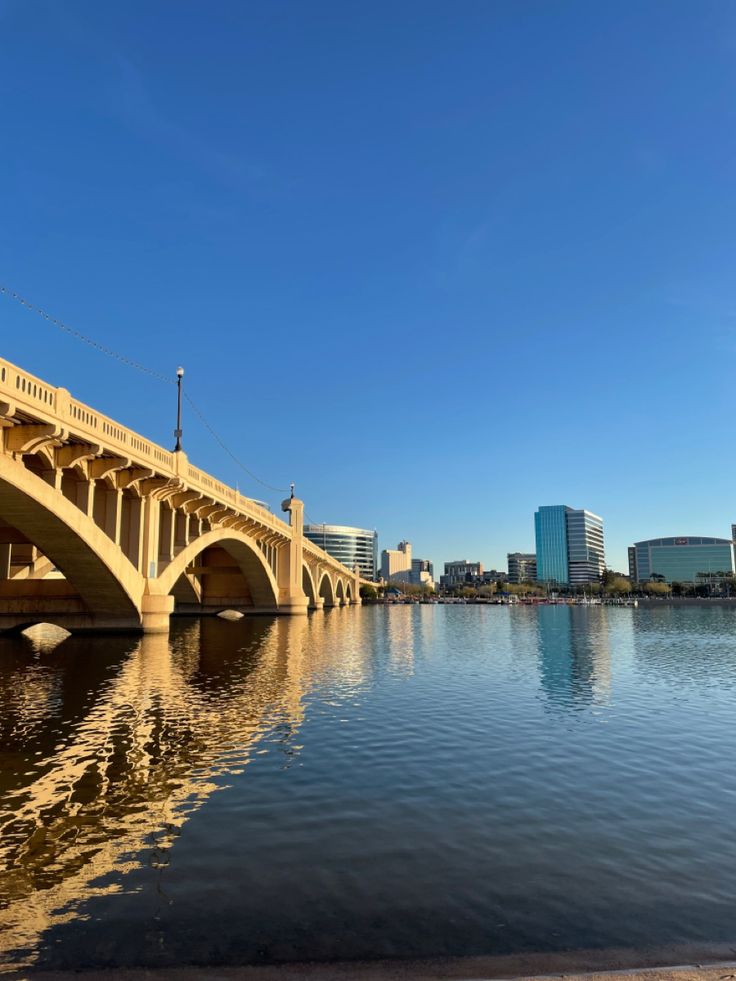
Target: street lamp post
177,431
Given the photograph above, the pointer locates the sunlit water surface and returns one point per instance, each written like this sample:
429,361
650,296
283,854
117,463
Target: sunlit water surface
410,781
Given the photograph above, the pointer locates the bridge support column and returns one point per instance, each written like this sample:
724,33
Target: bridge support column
53,477
152,514
155,613
5,552
357,600
317,604
292,598
167,534
134,551
181,525
86,497
113,513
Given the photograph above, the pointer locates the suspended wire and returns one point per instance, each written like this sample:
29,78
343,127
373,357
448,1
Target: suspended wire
226,448
128,362
86,340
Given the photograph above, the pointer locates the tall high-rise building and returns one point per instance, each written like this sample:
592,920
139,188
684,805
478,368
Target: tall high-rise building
350,546
522,566
570,547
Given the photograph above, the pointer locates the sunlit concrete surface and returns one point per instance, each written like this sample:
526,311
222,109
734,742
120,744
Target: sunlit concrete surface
100,529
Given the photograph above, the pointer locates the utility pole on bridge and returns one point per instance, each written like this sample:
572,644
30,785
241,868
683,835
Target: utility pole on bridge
177,431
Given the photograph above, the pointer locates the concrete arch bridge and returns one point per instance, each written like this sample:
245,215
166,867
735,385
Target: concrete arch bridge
101,529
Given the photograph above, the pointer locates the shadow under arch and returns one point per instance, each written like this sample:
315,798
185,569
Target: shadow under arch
308,585
326,591
251,561
339,590
107,583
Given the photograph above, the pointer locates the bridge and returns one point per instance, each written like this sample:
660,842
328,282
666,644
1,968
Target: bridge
101,529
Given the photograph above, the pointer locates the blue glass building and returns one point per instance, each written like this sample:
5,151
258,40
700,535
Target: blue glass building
570,547
550,532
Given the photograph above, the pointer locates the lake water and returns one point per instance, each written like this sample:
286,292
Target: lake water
370,783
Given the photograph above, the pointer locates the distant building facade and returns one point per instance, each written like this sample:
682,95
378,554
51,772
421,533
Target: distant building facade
348,545
569,541
396,563
422,573
688,558
522,566
461,573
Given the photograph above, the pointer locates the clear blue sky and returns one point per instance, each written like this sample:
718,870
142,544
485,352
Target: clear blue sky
438,263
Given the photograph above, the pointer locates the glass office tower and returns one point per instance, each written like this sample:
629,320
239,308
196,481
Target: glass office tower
550,531
569,543
348,545
585,552
680,559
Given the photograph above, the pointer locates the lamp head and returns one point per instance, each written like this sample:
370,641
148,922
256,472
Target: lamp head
179,372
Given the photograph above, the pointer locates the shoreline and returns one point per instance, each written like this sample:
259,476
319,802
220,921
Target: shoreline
691,962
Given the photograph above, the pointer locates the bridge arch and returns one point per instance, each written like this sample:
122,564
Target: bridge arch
349,591
108,589
340,590
244,550
326,590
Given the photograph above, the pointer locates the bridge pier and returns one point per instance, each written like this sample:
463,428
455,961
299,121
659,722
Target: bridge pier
155,613
292,598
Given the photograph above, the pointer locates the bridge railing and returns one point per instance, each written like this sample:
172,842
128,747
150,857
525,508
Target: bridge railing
21,386
37,398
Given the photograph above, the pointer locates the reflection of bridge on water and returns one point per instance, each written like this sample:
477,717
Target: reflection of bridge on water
136,530
134,741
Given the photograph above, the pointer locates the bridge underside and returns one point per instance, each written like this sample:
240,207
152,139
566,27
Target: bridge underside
33,589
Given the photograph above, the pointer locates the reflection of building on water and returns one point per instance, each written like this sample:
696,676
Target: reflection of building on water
400,640
574,654
132,742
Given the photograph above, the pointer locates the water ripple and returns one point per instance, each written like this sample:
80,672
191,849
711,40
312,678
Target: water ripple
378,782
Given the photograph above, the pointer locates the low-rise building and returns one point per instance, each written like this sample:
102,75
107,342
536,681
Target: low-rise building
687,558
461,573
522,566
422,573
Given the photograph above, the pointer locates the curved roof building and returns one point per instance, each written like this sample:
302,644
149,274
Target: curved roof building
351,546
681,559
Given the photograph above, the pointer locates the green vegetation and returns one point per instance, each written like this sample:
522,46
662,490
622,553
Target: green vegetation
409,589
